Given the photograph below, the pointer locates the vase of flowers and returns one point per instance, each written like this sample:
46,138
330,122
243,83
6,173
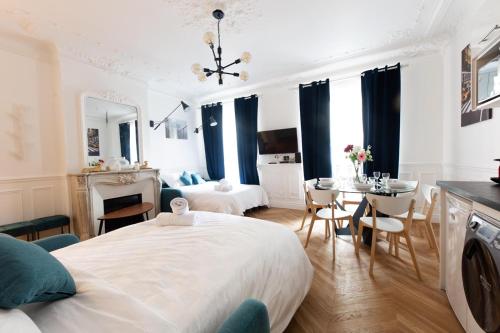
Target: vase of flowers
358,155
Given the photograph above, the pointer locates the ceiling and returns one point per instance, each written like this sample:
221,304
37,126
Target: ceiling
157,41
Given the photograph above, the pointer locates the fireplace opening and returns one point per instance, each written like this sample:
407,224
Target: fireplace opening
113,204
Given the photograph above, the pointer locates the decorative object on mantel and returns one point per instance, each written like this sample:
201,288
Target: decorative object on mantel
209,38
157,124
497,179
96,166
213,123
145,165
117,164
358,156
468,115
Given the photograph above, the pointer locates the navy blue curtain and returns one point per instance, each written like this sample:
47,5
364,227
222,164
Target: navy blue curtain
212,137
125,140
315,127
381,93
137,141
245,112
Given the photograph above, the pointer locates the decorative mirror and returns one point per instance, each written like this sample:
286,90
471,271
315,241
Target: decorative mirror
110,130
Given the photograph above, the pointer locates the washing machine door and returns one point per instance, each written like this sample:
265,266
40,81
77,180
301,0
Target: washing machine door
481,284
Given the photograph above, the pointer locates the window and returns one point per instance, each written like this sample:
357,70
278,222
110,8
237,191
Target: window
232,172
346,122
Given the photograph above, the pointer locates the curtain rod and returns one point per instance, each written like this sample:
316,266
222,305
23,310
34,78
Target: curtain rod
231,100
351,76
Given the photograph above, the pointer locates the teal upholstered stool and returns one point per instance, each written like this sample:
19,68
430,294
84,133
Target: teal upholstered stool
18,229
250,317
50,222
57,242
167,194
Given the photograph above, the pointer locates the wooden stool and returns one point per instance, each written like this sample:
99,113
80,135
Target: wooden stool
137,209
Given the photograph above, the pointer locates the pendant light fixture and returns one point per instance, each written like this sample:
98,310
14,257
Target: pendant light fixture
209,38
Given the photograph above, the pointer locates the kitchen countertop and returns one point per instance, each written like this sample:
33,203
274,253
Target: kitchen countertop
485,193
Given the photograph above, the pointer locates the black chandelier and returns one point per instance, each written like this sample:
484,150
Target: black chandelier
209,38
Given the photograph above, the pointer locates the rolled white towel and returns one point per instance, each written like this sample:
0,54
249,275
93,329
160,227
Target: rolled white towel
169,219
223,187
224,181
179,206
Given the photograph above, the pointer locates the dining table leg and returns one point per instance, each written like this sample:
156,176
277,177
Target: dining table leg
360,211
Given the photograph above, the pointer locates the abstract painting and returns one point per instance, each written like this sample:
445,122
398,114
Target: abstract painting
176,129
469,116
93,141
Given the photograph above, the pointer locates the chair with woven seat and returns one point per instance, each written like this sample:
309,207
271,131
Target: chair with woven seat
394,227
425,217
327,199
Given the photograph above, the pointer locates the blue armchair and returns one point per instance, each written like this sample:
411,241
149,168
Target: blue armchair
250,317
167,194
57,242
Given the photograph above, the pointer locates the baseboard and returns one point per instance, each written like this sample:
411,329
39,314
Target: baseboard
290,204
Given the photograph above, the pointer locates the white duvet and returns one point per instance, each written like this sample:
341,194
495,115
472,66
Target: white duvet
149,278
204,197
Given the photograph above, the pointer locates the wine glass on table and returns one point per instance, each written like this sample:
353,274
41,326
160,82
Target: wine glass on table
376,174
385,177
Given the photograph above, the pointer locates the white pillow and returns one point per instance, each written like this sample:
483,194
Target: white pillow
172,179
16,321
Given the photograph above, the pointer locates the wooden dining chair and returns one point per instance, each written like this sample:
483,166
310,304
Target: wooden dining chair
396,228
311,206
327,198
424,218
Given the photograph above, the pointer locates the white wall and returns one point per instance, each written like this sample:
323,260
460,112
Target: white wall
468,151
78,78
41,130
172,155
32,172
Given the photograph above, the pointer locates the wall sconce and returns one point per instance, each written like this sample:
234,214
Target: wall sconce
213,123
157,124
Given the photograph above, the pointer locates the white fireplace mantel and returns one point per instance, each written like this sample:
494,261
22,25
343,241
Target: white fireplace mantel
89,190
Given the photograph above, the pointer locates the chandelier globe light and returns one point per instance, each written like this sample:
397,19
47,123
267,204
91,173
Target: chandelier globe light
220,70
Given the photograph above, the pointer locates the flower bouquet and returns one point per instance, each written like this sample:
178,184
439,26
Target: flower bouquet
358,156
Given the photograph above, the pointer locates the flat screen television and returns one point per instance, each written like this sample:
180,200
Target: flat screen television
280,141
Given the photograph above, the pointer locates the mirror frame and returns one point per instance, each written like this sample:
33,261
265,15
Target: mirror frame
113,97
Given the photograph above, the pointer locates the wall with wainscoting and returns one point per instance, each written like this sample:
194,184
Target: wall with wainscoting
469,151
32,166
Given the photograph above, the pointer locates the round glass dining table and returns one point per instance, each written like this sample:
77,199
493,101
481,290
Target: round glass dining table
360,210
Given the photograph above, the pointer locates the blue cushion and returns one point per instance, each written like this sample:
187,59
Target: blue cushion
197,179
30,274
250,317
186,178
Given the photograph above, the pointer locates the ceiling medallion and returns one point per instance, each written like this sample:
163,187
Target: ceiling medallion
209,38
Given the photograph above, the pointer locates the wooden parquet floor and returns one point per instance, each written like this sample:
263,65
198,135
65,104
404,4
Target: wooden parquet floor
344,298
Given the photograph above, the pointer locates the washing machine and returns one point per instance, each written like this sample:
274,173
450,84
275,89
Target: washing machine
480,270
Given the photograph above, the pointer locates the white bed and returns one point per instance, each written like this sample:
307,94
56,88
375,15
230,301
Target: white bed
149,278
204,197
